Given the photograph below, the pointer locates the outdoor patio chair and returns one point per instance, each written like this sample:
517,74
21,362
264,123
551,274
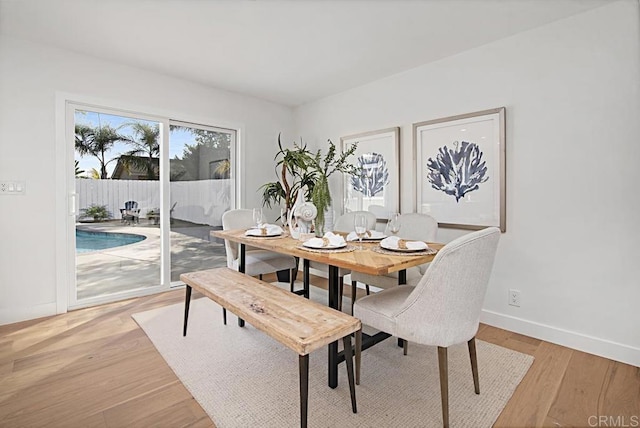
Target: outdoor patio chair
130,213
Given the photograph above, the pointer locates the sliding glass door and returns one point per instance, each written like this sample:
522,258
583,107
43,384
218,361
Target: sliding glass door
147,191
202,188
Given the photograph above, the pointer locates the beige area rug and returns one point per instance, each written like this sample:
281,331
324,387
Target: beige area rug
243,378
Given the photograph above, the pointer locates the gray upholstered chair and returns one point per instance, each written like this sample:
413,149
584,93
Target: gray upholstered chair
257,261
443,309
344,223
414,226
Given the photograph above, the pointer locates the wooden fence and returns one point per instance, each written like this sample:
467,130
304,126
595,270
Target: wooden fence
201,202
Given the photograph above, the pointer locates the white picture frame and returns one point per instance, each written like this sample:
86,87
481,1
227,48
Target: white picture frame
460,169
378,188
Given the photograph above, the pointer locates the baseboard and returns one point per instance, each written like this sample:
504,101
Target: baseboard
582,342
13,315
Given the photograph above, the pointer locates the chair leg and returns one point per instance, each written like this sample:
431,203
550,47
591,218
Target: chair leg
444,385
354,288
358,354
474,363
340,292
367,287
405,346
348,358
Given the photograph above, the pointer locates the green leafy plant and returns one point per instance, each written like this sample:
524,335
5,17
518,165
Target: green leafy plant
292,169
98,212
325,166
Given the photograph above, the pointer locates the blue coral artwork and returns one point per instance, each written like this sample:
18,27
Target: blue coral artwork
457,170
373,177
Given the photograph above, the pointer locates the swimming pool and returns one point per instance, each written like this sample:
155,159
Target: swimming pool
91,241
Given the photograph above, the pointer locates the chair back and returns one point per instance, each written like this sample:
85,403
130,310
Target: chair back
444,308
130,205
416,226
235,219
346,222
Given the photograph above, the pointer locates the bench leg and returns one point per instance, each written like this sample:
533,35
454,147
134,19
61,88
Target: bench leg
303,363
187,301
348,358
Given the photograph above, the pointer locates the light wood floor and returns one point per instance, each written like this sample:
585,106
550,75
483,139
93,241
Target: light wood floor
96,368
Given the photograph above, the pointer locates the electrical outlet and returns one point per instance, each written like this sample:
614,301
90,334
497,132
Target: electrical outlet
514,297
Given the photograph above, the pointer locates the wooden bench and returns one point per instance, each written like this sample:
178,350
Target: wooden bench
298,323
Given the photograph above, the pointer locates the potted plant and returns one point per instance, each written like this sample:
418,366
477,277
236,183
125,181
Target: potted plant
298,168
325,166
97,212
292,169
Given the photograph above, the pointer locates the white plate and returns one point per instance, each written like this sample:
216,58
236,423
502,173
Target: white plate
328,247
256,233
402,250
371,238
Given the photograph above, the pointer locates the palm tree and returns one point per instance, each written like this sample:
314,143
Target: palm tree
97,142
146,148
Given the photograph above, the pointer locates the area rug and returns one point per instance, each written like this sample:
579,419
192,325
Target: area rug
243,378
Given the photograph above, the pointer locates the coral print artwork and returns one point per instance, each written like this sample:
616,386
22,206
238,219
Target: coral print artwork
460,165
458,170
374,175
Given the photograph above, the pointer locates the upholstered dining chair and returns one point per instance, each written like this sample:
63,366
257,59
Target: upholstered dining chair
443,309
344,223
257,261
414,226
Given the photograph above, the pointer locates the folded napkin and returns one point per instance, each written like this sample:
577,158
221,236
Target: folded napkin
329,240
393,242
371,234
264,230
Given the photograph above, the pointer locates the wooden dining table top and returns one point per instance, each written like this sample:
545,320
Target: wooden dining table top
365,260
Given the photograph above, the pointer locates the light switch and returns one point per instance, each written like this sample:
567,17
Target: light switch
12,187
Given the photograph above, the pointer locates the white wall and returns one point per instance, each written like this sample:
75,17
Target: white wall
30,76
571,90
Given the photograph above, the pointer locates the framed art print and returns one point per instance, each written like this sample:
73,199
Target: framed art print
377,187
460,169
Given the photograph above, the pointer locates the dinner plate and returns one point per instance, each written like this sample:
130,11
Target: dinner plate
256,233
327,247
402,250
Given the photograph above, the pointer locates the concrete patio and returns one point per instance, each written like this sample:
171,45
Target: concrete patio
137,265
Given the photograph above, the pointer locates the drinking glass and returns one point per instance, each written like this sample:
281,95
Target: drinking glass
360,226
257,216
394,223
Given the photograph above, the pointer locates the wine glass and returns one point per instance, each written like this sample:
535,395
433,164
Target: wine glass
257,216
394,223
360,226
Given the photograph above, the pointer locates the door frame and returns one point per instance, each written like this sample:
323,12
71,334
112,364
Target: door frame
66,200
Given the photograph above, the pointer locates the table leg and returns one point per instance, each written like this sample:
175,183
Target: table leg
402,279
305,277
333,347
187,301
241,268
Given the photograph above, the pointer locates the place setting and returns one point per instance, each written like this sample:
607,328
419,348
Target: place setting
328,243
394,245
263,230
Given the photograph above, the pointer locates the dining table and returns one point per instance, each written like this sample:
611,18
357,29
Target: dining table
366,257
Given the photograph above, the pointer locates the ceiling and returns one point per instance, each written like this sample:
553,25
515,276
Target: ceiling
288,52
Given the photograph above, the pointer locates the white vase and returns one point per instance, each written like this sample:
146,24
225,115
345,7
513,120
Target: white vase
294,230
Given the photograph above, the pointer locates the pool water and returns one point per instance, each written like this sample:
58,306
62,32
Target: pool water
92,241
